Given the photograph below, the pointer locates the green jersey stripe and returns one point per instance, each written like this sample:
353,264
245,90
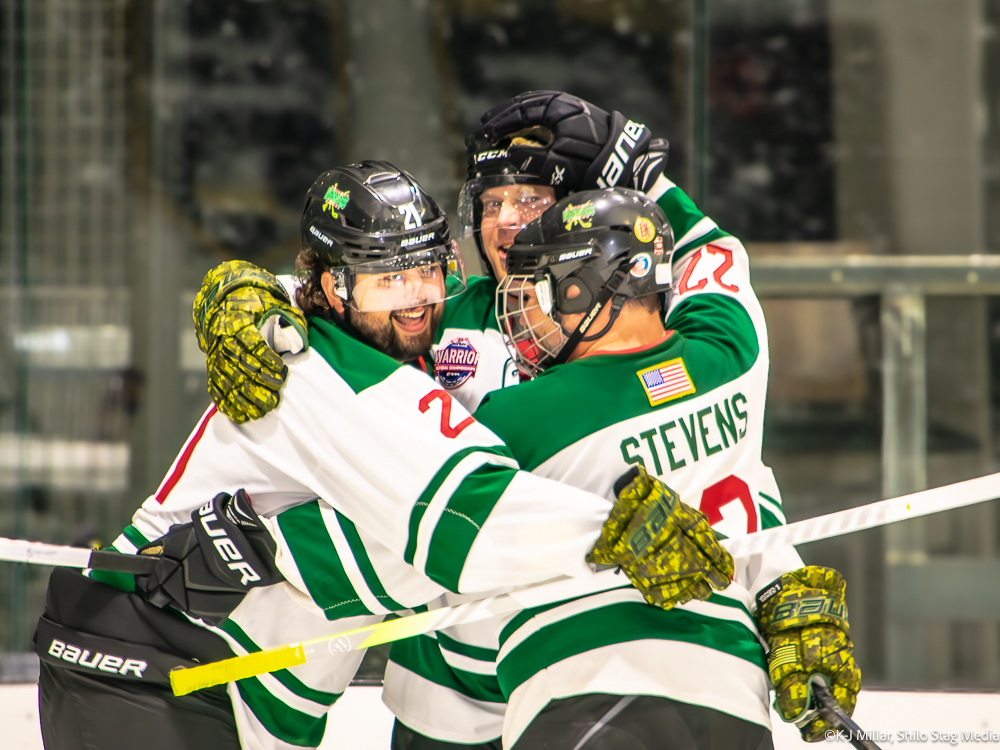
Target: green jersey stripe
773,501
691,228
282,721
421,655
304,530
132,534
286,678
772,514
123,581
620,623
466,649
358,364
767,519
430,491
365,564
468,508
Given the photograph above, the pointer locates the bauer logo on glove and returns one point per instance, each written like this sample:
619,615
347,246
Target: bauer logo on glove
666,548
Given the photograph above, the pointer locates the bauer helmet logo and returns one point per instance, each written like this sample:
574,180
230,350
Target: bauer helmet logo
320,236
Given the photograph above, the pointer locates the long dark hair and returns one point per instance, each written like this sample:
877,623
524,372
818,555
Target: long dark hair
310,297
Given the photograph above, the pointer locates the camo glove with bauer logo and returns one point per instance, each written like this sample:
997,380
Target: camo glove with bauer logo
803,617
236,301
666,548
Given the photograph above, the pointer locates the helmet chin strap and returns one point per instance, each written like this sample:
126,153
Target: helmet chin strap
608,292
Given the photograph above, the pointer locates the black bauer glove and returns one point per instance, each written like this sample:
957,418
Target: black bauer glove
562,140
206,567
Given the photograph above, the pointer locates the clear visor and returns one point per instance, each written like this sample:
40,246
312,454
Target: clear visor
502,202
524,313
423,277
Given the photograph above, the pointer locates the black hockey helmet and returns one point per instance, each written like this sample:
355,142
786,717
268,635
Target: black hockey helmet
371,219
591,250
490,167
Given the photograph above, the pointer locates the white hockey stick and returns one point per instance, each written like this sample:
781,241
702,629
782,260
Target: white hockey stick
918,504
39,553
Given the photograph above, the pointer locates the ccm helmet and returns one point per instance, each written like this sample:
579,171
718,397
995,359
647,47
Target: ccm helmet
594,249
385,240
490,168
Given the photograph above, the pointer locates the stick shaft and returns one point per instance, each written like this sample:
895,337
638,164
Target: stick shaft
39,553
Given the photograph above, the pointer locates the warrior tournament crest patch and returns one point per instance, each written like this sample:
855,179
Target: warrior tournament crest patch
455,363
666,381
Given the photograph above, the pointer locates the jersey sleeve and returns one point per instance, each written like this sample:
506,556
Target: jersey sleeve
397,460
712,300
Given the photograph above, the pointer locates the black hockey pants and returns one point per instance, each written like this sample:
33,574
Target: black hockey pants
404,738
615,722
105,656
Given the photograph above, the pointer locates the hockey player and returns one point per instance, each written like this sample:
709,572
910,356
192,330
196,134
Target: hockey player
418,499
496,189
581,306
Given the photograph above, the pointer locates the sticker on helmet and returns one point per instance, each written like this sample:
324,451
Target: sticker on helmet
581,215
455,363
335,200
643,262
411,217
658,247
644,229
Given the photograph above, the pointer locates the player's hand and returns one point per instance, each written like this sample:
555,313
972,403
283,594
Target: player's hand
206,567
236,299
803,617
666,548
561,139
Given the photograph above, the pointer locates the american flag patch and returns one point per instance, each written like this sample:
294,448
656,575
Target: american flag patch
666,381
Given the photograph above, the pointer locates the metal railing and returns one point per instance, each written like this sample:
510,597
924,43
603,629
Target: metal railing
919,587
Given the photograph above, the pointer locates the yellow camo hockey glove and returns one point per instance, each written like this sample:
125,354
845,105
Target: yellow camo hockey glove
803,617
236,299
666,548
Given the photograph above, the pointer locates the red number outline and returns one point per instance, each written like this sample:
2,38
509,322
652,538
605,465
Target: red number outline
682,287
726,491
445,398
727,263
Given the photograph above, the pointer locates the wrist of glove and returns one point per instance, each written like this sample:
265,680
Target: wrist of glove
666,548
803,617
562,140
245,374
206,567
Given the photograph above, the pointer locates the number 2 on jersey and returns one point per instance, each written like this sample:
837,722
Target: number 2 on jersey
724,492
445,398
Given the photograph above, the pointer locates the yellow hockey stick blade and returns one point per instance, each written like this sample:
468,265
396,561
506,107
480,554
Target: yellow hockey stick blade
184,681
